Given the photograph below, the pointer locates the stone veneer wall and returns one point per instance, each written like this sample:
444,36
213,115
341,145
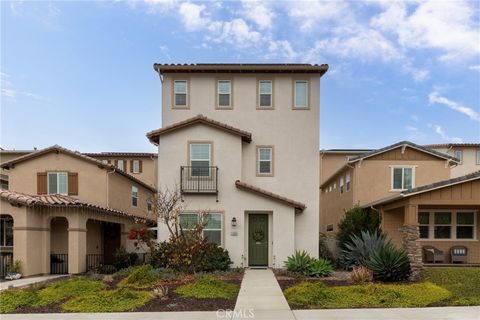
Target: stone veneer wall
411,244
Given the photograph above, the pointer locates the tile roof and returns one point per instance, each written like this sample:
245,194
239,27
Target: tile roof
57,200
154,135
242,68
57,148
426,188
248,187
452,145
120,154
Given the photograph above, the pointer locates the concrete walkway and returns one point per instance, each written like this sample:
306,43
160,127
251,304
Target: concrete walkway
29,281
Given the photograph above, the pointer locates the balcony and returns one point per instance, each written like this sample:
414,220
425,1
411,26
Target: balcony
199,180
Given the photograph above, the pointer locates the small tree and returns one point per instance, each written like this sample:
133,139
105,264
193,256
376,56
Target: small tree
354,222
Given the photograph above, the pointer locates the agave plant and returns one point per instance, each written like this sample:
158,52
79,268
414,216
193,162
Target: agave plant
389,264
359,249
299,263
320,268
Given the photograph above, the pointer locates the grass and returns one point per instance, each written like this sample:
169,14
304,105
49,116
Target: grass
141,277
58,291
10,300
108,301
315,295
463,283
208,287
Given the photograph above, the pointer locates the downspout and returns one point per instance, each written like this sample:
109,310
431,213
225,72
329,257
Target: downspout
107,187
379,215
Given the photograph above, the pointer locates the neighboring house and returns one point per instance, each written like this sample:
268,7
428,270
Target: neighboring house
67,209
467,153
333,159
378,174
7,155
445,213
241,142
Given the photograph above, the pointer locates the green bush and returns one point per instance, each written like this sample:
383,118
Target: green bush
354,222
164,274
316,295
58,291
320,268
208,287
359,249
215,259
108,301
389,264
299,263
123,259
10,300
123,273
142,277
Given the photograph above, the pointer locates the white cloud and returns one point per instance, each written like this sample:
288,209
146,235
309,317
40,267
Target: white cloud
238,33
475,67
439,130
258,12
192,16
415,134
435,98
8,91
318,14
282,48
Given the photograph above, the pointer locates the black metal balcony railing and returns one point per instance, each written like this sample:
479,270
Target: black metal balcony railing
96,263
199,179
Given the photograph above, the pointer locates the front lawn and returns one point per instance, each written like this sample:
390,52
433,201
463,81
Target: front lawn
463,283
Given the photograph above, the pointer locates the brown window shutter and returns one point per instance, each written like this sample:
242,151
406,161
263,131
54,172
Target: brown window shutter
41,183
139,166
72,183
131,166
116,163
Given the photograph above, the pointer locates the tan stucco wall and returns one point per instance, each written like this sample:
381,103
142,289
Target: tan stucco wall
59,235
391,221
94,237
331,162
469,163
293,133
119,195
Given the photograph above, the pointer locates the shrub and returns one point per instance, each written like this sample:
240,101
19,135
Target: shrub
123,273
389,264
10,300
58,291
123,259
359,249
164,274
15,267
208,287
215,259
361,274
320,268
141,277
299,263
323,251
316,295
356,221
108,301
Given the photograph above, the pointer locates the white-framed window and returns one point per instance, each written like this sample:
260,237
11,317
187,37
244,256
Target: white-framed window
341,184
134,196
57,183
265,160
403,177
459,155
301,94
136,166
200,159
347,182
121,164
265,91
180,90
447,224
213,224
224,88
477,157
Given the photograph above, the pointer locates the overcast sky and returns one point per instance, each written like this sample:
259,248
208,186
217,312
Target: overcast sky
80,74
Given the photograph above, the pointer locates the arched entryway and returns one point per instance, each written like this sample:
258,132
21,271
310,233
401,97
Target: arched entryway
6,243
59,245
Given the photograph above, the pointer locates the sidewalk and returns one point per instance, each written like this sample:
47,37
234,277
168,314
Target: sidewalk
29,281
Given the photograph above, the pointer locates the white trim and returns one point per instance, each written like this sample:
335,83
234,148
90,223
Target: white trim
133,166
306,106
260,94
57,173
200,216
133,196
392,167
185,93
260,160
229,93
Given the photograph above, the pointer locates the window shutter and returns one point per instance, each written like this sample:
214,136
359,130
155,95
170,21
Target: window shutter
41,183
131,166
139,166
116,163
72,183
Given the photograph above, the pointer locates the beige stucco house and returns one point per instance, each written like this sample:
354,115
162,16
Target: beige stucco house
66,212
468,155
241,141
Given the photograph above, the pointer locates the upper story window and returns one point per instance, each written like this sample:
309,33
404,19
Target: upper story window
301,94
224,99
212,221
459,155
403,178
180,92
121,164
341,184
200,159
136,166
57,183
134,196
347,182
265,161
265,91
478,156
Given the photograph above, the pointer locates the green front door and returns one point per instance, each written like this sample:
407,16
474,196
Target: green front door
258,240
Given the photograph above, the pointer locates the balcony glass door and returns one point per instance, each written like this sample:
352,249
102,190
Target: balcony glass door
200,159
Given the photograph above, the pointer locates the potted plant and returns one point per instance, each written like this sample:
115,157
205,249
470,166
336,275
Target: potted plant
14,270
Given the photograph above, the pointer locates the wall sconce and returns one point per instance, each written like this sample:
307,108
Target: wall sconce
234,222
